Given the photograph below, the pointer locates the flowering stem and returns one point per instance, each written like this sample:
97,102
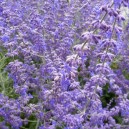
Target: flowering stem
93,31
102,64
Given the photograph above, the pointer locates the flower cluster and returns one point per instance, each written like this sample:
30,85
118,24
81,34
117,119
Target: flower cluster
68,60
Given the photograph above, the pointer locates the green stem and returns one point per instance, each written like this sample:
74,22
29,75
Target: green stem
37,125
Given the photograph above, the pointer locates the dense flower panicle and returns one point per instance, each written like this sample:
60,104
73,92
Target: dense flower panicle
69,64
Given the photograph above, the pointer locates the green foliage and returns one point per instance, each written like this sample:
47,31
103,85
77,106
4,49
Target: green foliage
80,77
1,119
32,121
118,119
107,97
126,74
6,84
58,127
114,65
81,80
